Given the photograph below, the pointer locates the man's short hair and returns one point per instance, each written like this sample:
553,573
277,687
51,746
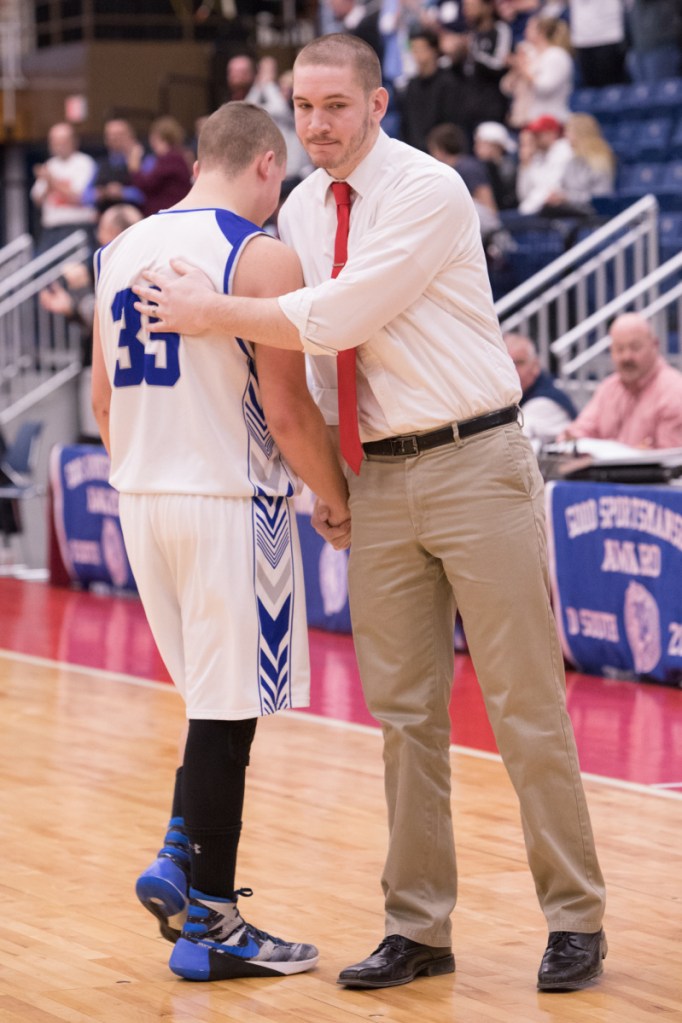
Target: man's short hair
427,34
450,138
235,134
122,215
341,50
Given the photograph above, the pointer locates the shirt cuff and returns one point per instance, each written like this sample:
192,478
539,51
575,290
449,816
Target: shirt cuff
296,307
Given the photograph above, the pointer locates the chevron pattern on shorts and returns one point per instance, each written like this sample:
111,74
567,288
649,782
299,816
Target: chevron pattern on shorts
266,469
274,576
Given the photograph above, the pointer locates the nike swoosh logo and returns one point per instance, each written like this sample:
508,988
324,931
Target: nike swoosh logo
247,951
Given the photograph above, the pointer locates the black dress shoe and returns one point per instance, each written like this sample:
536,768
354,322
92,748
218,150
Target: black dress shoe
398,960
571,960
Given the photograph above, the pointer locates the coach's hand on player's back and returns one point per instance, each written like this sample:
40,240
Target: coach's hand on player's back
335,533
177,303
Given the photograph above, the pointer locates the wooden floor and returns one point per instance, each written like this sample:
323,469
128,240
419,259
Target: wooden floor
85,770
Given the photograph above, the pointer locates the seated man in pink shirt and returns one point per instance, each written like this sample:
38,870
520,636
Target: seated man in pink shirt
641,403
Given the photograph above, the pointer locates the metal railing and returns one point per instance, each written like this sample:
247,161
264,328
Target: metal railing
581,352
35,345
573,287
15,255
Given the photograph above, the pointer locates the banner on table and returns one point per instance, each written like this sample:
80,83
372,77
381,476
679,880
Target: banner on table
616,560
85,517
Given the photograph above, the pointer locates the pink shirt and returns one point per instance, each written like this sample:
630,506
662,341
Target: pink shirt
648,417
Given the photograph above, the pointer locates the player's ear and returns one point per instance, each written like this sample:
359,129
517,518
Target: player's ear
265,163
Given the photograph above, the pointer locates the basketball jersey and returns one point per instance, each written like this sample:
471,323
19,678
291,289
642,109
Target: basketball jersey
186,414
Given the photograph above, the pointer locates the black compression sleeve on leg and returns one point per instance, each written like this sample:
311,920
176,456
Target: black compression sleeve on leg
176,810
213,781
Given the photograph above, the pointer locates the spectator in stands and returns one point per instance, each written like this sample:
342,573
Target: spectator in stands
74,298
641,403
273,93
547,410
358,19
448,143
590,172
240,74
59,187
431,96
545,170
540,79
655,31
527,159
383,25
495,147
168,179
111,183
516,13
446,18
598,39
489,46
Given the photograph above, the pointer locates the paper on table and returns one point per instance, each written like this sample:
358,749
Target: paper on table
611,452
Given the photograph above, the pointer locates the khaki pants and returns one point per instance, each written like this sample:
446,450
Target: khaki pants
462,527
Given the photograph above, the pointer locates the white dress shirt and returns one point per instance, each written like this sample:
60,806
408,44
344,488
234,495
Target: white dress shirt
414,296
76,171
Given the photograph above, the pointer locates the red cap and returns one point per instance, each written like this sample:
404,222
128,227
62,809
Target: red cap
545,123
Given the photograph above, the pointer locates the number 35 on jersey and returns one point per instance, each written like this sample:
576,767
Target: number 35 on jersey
154,361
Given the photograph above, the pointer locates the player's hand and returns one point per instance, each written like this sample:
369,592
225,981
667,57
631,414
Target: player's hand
175,303
332,528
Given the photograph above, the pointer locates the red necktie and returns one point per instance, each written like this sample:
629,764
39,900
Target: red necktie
351,448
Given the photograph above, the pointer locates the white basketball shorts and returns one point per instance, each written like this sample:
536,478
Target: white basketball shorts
221,582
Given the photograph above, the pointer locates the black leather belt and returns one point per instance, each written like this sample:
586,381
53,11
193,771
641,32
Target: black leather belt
411,444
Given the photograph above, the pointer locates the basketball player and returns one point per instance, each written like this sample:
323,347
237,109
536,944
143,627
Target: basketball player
206,439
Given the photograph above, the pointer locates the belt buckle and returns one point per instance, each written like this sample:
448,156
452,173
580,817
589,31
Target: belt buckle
405,447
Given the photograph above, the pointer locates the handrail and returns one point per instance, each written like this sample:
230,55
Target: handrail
29,279
617,304
66,247
643,208
35,344
661,303
39,393
17,247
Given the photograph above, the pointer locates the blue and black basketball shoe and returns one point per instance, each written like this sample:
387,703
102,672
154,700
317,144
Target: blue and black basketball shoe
162,887
216,944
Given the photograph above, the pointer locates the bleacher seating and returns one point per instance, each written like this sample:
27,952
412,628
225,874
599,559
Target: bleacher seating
676,140
653,138
669,191
643,124
638,179
668,95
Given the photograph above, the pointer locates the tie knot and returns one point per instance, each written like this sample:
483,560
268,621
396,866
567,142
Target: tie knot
341,190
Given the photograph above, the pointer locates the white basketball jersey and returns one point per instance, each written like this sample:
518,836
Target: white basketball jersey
186,414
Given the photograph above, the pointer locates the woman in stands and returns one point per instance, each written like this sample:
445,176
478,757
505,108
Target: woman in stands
167,180
590,172
541,76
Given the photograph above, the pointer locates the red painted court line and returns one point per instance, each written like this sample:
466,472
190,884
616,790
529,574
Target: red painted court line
627,731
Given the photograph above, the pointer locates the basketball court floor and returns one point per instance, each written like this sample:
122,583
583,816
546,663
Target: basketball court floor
89,729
